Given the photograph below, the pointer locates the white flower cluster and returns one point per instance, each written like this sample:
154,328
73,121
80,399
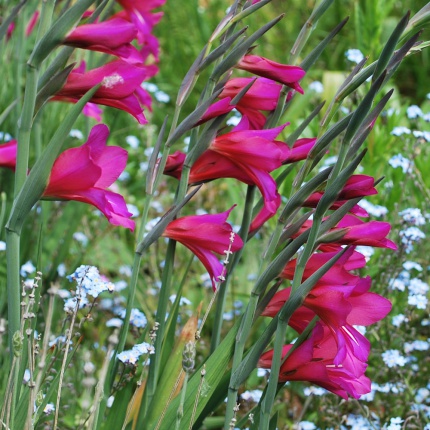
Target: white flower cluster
131,356
88,283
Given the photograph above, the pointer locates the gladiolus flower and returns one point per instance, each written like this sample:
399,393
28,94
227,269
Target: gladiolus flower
356,186
111,37
120,86
84,173
338,274
205,235
340,307
262,96
300,150
32,23
358,232
139,13
246,155
283,73
8,152
93,111
313,361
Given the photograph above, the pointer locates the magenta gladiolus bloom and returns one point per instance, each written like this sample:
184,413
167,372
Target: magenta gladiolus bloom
283,73
111,37
120,86
356,186
340,307
338,274
84,173
358,232
313,361
8,153
246,155
32,23
300,149
262,96
205,235
139,13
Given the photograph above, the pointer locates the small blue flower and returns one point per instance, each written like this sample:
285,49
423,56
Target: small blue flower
399,131
397,320
414,112
133,141
252,395
133,209
400,161
395,424
316,86
161,97
306,425
354,55
183,301
27,269
417,286
418,300
416,345
411,265
374,210
137,317
393,358
81,238
77,134
114,322
422,135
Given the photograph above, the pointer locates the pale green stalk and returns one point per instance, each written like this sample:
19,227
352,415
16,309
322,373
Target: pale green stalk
267,403
180,413
219,310
163,299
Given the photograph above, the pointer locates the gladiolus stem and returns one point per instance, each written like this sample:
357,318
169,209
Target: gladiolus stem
13,285
163,299
267,404
24,130
14,310
246,221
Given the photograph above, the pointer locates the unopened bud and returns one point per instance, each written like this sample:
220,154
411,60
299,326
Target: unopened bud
188,357
17,343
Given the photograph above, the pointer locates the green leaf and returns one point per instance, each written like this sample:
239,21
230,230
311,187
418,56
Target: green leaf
118,411
307,28
389,47
417,22
240,50
216,365
221,50
299,130
192,119
311,58
54,84
58,31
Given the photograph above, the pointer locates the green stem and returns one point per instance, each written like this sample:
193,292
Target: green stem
45,17
109,381
130,303
220,305
241,337
154,366
307,252
267,404
13,285
180,413
24,127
